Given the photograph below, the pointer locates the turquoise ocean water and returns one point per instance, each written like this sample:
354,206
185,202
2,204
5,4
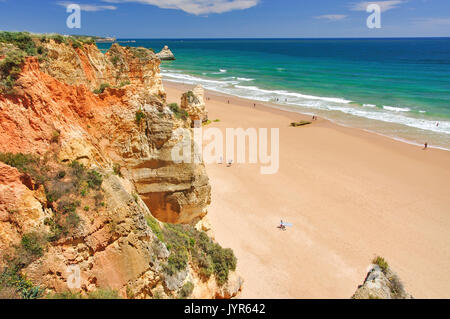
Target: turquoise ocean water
395,87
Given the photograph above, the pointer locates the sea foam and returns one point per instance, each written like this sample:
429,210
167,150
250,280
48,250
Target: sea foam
239,87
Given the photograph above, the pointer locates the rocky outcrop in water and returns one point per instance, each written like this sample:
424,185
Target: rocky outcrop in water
166,54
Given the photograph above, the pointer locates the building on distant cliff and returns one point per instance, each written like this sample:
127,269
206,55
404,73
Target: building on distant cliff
105,40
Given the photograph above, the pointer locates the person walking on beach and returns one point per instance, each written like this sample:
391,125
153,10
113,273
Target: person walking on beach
282,227
426,146
254,105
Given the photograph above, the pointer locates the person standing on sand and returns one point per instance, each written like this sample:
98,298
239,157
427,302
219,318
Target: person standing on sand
426,146
254,105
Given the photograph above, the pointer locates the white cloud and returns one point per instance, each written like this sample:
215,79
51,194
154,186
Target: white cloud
332,17
87,7
196,7
384,5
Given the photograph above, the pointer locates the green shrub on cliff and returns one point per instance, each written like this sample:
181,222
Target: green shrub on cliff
63,185
381,262
186,290
76,44
178,112
102,88
14,285
94,179
10,68
141,53
23,162
32,243
140,115
115,59
186,244
124,83
21,40
154,226
58,38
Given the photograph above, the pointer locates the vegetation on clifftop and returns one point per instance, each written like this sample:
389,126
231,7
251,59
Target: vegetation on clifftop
15,46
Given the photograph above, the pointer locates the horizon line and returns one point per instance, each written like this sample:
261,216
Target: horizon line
275,38
239,38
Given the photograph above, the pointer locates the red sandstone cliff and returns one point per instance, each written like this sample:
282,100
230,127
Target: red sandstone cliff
124,133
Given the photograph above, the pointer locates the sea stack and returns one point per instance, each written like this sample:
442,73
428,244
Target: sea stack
166,54
194,104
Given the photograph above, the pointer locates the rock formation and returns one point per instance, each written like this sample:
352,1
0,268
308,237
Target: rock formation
194,104
381,283
165,54
98,133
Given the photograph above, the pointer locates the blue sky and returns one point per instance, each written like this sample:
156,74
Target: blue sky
229,18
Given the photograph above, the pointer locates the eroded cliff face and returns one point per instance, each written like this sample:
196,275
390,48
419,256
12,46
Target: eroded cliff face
107,112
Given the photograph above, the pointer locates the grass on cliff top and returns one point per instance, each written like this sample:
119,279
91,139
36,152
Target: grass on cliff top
10,69
381,262
21,40
186,244
15,46
395,284
141,53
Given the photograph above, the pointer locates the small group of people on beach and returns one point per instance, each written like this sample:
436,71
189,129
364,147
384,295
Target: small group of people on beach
229,162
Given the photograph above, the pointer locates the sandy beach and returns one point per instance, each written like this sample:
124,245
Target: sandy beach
350,195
